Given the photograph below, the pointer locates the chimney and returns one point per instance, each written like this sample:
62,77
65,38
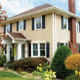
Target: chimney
71,6
72,23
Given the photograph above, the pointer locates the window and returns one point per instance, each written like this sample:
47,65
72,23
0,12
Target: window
35,49
38,23
38,49
61,44
21,26
65,23
7,28
79,47
77,27
42,49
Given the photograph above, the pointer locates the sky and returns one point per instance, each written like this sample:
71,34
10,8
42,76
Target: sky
14,7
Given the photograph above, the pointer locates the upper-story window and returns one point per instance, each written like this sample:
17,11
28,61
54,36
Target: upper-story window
7,28
77,27
21,26
64,22
38,22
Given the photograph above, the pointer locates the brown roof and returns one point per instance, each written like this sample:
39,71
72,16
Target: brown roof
17,35
34,9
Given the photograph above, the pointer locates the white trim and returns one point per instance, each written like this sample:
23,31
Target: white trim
54,31
35,23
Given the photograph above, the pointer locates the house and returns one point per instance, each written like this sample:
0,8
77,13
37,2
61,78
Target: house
38,32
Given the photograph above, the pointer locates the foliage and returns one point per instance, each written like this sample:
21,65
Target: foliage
2,60
73,62
11,76
46,72
28,64
72,77
58,62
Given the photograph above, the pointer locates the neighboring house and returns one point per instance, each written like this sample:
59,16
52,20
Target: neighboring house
38,32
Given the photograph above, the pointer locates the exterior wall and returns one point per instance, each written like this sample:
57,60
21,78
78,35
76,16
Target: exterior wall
78,37
62,36
44,35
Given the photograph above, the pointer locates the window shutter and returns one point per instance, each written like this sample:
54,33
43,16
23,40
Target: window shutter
32,23
11,27
4,29
79,26
29,49
43,21
68,23
47,50
24,24
17,28
62,23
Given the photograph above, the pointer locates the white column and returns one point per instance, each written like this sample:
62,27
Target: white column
8,53
19,51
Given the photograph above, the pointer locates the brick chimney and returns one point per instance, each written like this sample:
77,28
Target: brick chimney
73,44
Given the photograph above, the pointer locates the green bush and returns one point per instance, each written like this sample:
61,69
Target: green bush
73,77
2,60
28,64
58,62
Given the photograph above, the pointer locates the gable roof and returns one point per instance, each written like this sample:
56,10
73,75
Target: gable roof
43,9
17,35
34,9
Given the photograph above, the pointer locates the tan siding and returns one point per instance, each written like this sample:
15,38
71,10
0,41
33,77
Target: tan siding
61,35
38,35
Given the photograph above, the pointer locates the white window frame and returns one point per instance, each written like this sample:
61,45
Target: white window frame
77,26
35,23
7,28
22,26
38,49
64,22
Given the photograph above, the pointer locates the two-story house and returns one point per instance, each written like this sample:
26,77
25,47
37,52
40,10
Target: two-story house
38,32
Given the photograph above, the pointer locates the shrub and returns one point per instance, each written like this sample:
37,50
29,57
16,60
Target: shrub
28,64
73,62
72,77
58,62
2,60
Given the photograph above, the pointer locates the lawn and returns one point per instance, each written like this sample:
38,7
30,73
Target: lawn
10,76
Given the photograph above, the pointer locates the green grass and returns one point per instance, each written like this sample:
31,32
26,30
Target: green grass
10,76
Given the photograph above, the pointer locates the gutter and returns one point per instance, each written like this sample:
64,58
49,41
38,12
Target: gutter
52,9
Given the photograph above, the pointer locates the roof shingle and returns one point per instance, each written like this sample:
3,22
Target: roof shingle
34,9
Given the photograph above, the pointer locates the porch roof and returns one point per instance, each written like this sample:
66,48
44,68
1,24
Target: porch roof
12,37
17,35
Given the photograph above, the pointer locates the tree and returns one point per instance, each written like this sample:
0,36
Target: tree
58,62
3,14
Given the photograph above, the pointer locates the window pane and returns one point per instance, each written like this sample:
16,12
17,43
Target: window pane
8,28
42,52
42,45
42,49
38,22
35,46
65,23
35,52
21,25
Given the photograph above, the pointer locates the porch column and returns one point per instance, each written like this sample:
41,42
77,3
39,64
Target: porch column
8,53
19,51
